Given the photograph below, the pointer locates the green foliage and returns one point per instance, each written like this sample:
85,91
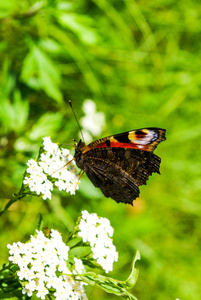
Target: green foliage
48,79
113,286
140,63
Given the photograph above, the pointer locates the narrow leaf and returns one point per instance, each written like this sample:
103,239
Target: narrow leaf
114,286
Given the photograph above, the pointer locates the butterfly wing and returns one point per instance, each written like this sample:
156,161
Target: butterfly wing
118,171
145,139
113,181
120,163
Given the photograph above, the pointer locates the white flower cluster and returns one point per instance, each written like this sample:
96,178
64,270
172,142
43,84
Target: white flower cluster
58,164
42,264
98,232
93,122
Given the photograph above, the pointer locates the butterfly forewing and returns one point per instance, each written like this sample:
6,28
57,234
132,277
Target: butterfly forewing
145,139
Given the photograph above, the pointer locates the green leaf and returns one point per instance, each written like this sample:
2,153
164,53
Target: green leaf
131,281
114,286
80,26
10,286
39,71
45,126
50,46
14,115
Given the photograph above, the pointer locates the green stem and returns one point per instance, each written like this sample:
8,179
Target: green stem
14,198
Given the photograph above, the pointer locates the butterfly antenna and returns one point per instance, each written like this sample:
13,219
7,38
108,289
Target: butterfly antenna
70,103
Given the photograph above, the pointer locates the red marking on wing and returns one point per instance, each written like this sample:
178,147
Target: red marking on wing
140,136
101,145
129,145
124,145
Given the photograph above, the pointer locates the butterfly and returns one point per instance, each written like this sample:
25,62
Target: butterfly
119,164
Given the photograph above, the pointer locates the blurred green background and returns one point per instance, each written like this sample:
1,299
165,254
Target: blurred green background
140,62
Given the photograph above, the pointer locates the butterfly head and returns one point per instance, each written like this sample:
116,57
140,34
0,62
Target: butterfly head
79,148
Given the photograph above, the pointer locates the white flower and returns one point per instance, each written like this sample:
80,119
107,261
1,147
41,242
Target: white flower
98,232
42,264
93,122
54,165
48,146
79,268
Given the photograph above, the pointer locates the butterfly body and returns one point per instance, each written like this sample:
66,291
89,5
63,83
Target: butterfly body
119,164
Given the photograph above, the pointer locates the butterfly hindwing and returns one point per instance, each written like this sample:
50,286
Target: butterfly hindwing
113,181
